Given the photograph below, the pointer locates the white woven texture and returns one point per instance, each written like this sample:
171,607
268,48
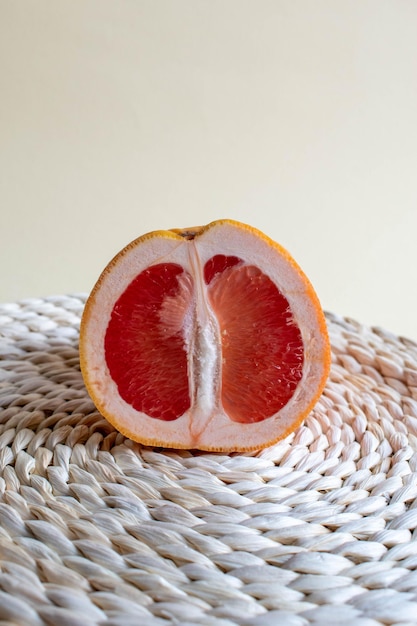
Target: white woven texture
95,529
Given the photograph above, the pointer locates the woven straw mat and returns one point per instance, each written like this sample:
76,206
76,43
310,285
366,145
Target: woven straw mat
320,528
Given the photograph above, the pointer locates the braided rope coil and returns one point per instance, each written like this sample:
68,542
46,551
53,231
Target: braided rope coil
95,529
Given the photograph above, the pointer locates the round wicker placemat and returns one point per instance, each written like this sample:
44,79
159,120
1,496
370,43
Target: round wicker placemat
95,529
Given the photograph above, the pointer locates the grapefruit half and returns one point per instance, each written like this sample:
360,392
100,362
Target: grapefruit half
206,338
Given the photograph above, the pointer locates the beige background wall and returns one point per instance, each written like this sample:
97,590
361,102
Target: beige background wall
298,116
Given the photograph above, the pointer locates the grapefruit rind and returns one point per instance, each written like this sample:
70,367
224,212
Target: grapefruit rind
216,432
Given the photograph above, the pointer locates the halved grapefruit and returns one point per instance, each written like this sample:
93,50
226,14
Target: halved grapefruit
209,338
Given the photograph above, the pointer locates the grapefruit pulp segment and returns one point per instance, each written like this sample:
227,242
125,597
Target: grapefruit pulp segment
145,343
262,347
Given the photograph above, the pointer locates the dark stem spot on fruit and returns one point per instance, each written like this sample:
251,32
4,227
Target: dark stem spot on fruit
188,234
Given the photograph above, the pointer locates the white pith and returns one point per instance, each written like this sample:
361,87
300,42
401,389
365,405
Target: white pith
202,341
205,422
